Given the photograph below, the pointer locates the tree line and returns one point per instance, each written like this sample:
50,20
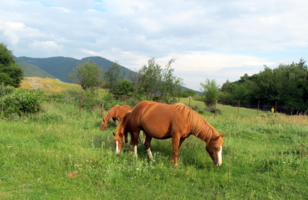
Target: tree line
285,85
151,81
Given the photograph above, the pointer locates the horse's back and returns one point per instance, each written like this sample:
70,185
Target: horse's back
158,120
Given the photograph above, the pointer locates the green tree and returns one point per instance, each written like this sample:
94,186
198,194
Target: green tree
188,93
153,80
113,77
88,75
287,85
210,92
10,72
149,79
170,85
124,87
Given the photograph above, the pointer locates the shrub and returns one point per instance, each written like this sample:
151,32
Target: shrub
90,104
213,110
109,101
5,90
20,102
55,97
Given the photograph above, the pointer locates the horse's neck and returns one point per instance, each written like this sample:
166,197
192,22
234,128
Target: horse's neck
108,115
206,132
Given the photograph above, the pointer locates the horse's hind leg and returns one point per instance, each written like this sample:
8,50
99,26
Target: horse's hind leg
147,145
134,141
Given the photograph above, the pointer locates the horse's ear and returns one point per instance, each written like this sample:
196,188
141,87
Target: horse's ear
113,133
223,135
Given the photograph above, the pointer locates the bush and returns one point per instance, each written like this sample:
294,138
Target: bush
20,102
109,101
5,90
212,110
55,97
91,104
132,102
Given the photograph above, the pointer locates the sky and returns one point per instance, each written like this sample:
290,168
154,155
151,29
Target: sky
217,40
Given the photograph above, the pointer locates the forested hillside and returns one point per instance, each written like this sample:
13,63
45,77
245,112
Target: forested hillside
34,71
60,67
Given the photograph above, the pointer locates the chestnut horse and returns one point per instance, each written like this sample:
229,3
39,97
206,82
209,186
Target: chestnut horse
123,131
116,113
162,121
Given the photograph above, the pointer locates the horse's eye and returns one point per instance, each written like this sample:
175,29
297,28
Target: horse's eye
215,148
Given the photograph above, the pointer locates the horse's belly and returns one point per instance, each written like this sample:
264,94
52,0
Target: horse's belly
157,130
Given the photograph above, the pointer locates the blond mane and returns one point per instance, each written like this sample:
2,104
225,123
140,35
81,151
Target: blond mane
199,126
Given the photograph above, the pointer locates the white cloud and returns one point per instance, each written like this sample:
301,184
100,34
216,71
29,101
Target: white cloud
48,47
13,31
213,61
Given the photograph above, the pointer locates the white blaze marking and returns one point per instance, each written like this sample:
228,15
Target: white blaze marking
219,157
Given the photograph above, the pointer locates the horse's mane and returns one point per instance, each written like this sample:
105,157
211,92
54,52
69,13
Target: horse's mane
199,126
123,124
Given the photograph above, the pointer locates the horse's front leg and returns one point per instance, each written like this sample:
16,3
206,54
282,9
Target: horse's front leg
134,141
126,140
176,144
147,145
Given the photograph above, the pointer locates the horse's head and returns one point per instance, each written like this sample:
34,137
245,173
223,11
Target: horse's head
214,148
104,124
118,141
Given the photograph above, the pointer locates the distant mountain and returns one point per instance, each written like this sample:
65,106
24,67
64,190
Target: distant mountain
59,67
34,71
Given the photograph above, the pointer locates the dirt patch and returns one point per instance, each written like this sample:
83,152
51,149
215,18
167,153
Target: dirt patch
36,84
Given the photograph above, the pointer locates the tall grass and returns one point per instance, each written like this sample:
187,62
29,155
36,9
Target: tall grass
58,154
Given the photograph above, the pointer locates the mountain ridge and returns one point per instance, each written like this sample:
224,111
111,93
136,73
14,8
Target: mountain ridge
59,67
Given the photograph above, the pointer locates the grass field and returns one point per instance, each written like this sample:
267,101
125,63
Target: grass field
58,154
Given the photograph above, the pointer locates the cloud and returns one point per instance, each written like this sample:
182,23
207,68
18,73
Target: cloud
211,62
48,47
14,31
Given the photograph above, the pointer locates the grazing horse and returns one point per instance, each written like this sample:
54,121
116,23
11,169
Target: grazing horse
123,129
116,113
176,121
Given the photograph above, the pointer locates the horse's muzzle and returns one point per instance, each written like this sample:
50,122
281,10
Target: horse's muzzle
217,163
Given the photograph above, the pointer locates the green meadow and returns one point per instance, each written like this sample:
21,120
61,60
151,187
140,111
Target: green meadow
61,154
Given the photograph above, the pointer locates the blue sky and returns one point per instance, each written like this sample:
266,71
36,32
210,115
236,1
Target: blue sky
217,40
